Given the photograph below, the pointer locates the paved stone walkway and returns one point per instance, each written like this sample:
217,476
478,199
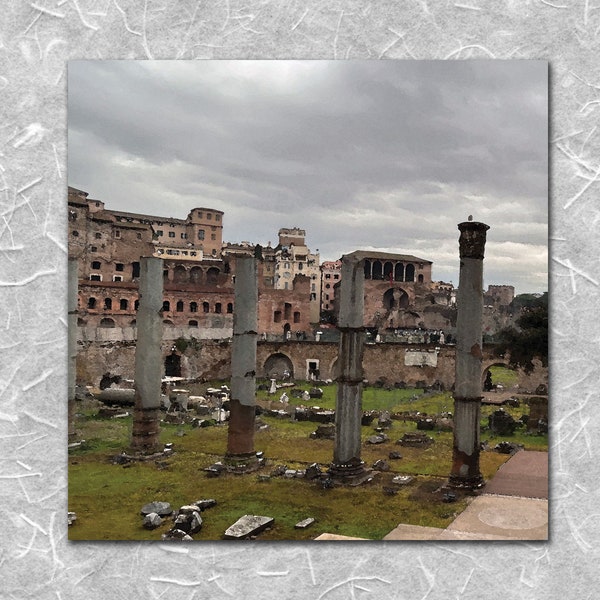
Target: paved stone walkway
512,506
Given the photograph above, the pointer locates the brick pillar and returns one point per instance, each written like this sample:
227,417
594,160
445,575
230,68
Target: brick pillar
240,454
72,343
465,472
347,465
148,357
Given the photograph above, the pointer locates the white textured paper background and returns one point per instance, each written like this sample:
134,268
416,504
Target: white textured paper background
36,40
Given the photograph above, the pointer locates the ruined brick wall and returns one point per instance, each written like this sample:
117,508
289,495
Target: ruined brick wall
209,359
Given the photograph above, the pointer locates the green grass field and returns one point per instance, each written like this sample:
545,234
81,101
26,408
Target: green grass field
107,497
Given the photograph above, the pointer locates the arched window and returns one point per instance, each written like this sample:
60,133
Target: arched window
179,307
166,306
107,323
91,303
229,308
388,270
123,304
420,278
136,305
399,272
287,311
205,307
218,307
377,272
367,269
193,307
409,274
195,274
107,304
211,275
193,323
179,274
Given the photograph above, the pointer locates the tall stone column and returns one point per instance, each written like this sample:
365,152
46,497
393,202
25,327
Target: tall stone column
347,465
72,342
148,357
467,388
240,454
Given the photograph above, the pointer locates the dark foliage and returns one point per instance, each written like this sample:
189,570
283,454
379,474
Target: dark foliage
529,339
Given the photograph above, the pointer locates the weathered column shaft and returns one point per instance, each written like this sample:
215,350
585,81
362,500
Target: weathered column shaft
148,356
348,410
72,342
240,435
467,389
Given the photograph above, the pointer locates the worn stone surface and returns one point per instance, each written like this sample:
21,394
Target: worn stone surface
246,526
304,523
162,509
152,521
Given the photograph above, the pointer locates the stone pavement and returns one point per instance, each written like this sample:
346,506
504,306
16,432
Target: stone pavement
512,506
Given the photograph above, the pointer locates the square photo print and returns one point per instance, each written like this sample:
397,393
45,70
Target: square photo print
308,300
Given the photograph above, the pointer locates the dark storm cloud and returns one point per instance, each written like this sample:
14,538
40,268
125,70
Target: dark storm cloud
387,154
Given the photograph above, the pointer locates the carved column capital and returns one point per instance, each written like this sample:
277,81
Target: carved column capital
472,239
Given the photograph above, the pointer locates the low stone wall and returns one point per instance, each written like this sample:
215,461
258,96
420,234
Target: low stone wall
211,359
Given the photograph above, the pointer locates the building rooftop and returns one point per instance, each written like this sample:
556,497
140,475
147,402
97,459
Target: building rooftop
368,254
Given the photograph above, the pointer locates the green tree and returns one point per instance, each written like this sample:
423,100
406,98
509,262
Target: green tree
529,339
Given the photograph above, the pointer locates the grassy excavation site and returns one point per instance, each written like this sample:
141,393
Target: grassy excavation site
107,497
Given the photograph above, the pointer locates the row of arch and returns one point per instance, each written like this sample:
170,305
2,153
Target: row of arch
389,270
107,322
180,306
181,274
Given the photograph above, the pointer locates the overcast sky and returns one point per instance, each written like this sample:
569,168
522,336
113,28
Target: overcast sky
386,155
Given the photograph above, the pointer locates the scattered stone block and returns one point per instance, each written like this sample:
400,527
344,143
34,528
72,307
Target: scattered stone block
152,521
71,518
247,526
415,440
305,523
205,503
290,473
394,455
176,535
381,465
215,469
402,479
324,432
162,509
501,423
312,472
427,424
279,471
377,439
190,522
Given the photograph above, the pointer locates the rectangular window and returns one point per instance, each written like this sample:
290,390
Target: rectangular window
327,276
117,233
117,278
93,249
336,276
119,267
171,234
95,277
217,217
96,264
213,236
208,216
184,236
200,234
159,232
199,214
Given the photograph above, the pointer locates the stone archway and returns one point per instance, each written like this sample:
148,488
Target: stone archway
487,365
276,364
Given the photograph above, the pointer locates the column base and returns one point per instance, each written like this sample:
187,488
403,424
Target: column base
351,473
465,483
242,463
